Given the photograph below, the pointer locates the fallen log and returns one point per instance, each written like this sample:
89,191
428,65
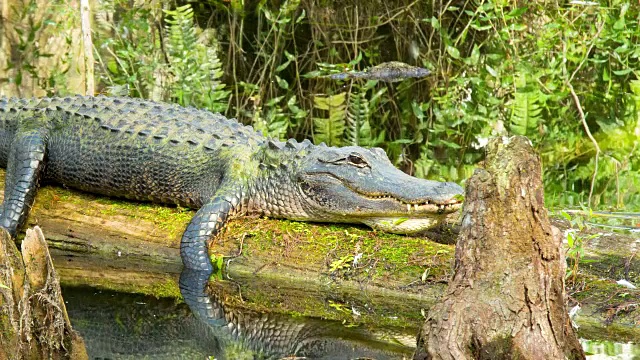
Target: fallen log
319,269
507,296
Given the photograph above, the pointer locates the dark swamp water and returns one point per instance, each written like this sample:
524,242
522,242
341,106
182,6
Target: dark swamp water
119,325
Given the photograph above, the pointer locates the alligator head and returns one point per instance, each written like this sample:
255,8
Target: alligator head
357,185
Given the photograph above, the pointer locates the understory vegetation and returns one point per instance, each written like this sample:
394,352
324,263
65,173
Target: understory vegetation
563,73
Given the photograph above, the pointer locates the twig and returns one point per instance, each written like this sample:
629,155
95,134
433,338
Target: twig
586,55
581,112
593,140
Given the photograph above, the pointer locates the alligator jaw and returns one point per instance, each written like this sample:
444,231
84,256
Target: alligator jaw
419,207
415,218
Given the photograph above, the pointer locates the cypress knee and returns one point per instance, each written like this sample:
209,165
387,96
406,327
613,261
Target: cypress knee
507,296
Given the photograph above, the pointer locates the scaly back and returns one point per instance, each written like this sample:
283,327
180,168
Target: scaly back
144,118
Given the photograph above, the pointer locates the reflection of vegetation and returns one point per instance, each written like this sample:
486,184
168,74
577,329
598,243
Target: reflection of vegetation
610,348
497,68
575,243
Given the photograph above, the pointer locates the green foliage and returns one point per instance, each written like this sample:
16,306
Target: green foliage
342,263
269,97
184,68
361,105
275,121
195,68
128,50
33,25
514,78
330,129
525,110
575,241
499,68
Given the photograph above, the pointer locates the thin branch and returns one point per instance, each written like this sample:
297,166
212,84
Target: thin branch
586,55
577,102
593,140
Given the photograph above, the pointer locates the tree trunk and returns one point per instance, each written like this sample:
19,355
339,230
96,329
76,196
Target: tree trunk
507,296
87,45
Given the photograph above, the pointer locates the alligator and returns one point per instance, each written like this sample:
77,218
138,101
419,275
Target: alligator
392,71
148,151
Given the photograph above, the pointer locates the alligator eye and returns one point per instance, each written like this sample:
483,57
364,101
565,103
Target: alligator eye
357,160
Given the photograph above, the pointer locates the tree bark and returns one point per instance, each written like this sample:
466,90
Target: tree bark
507,296
87,45
33,316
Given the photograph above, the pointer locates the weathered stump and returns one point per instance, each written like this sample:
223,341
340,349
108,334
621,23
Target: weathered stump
507,296
33,319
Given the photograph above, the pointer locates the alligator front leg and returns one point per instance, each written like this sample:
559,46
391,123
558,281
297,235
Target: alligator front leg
24,168
205,226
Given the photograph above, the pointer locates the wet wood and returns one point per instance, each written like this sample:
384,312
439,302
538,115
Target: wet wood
507,296
34,320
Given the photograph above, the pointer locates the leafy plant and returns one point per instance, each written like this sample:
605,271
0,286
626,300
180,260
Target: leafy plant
341,264
195,68
30,63
575,243
129,54
525,110
360,107
330,129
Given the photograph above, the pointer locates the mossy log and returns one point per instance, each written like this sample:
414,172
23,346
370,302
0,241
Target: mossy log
34,320
100,232
507,296
132,247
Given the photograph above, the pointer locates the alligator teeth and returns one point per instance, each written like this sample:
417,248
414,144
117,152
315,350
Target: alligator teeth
408,207
415,206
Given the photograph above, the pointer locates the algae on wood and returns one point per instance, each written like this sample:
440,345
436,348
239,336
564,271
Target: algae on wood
130,246
507,296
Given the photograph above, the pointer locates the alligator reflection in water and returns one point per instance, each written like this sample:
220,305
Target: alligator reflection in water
129,326
243,334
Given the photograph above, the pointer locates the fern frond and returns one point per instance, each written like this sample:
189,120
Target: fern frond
357,118
359,109
330,129
181,32
213,90
195,67
525,112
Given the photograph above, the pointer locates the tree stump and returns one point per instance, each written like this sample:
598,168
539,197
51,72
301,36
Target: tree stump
507,296
33,319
